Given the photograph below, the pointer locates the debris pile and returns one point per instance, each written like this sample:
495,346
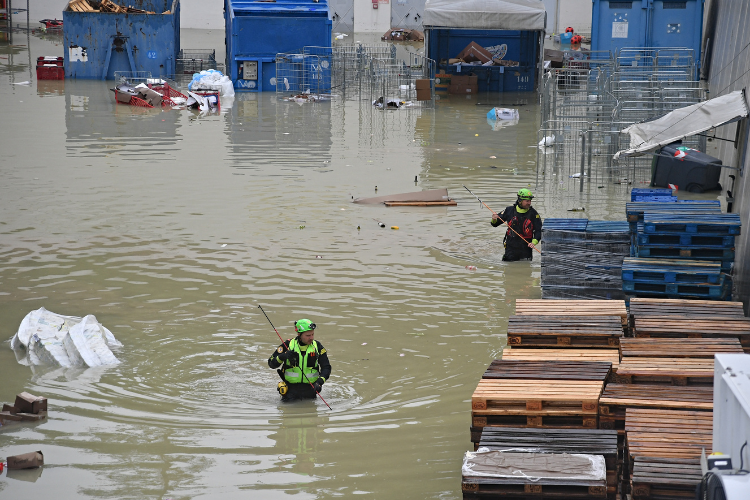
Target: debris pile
106,6
27,408
402,35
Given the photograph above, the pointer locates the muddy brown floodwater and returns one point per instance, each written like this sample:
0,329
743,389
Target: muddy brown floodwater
171,228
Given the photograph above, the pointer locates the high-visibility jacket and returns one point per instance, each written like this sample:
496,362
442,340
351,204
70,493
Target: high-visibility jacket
306,370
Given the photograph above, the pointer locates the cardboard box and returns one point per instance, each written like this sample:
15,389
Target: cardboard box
28,403
475,52
424,94
9,417
422,84
555,57
465,80
10,409
26,461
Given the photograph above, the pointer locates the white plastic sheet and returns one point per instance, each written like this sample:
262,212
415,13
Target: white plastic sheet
47,338
485,14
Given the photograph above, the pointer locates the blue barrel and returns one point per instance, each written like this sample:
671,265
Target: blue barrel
99,43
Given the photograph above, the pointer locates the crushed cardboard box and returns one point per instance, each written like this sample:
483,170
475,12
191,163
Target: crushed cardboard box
27,408
26,461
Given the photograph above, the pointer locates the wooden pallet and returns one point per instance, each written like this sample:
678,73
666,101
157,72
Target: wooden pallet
678,348
691,327
667,433
674,371
665,478
549,307
524,475
534,397
547,370
561,331
567,354
617,398
80,6
708,309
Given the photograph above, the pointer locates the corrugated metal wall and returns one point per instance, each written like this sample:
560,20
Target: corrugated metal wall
404,14
730,70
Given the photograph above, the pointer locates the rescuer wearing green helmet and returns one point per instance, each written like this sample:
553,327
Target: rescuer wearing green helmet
302,363
522,218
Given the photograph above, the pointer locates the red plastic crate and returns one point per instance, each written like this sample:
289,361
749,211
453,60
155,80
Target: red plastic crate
49,68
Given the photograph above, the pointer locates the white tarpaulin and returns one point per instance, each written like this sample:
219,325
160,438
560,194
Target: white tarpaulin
485,14
684,122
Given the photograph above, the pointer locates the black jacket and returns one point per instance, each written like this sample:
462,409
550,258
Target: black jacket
528,225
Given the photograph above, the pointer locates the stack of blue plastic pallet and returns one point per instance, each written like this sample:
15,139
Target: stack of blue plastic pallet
679,249
582,259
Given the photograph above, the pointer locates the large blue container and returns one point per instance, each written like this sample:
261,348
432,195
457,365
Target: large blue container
443,44
99,43
257,30
647,23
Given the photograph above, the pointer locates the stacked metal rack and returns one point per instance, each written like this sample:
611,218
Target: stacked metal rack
361,71
587,103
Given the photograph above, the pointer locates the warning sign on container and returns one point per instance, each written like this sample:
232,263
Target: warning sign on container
620,30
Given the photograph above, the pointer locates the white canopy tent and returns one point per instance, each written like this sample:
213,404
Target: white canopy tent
684,122
485,14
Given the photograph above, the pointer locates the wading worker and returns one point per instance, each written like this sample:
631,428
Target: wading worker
300,362
525,221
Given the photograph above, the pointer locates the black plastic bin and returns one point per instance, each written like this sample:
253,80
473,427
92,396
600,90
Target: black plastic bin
688,169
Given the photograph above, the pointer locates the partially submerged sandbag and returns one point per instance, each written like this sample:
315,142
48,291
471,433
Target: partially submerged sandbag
67,341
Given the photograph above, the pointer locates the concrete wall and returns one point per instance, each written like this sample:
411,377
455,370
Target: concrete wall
730,70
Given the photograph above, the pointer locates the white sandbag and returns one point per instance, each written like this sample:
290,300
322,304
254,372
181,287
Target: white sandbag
86,345
67,341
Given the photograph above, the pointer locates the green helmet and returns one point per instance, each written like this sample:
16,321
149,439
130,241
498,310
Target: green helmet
525,194
303,325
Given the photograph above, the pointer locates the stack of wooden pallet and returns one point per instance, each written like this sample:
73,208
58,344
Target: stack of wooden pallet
663,450
105,6
691,327
698,309
544,307
538,394
586,441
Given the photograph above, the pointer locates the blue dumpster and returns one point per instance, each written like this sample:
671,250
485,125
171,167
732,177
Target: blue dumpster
518,46
99,43
257,30
647,23
510,31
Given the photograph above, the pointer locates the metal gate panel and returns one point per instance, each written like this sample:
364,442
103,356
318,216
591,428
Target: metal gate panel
407,14
341,13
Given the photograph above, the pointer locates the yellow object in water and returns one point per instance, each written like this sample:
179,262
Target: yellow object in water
394,227
282,387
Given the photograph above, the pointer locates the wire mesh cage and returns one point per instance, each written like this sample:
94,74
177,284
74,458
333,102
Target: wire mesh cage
194,61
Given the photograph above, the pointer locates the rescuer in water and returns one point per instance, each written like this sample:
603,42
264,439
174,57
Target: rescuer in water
302,363
525,221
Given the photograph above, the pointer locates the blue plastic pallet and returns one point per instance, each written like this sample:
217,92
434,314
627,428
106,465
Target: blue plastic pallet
649,192
644,270
657,199
676,289
606,226
702,240
565,224
683,223
685,253
635,210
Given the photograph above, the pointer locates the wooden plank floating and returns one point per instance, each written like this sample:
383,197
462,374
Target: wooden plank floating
707,309
674,371
561,331
548,307
674,348
547,370
617,398
665,478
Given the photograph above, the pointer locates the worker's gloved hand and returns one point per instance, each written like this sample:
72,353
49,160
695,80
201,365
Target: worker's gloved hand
290,356
318,385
